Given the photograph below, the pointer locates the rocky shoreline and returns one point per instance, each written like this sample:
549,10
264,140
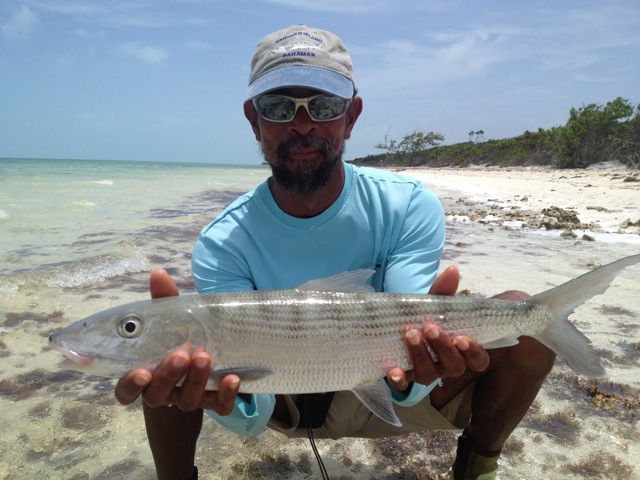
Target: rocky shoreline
575,204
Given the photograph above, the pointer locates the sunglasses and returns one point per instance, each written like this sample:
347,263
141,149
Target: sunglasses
282,109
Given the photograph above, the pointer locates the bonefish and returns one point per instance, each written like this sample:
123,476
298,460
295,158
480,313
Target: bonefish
326,335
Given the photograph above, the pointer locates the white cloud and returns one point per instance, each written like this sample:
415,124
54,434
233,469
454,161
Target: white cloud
547,45
70,7
21,24
125,13
412,66
144,52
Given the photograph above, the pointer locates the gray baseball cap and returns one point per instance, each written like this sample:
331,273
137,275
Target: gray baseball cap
301,56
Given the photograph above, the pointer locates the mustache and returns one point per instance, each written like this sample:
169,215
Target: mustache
286,148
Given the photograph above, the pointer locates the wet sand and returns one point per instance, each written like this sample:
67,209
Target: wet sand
64,425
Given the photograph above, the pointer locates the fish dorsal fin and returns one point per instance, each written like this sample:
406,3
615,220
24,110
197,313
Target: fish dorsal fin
347,282
376,397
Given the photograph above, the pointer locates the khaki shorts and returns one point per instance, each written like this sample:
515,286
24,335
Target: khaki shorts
347,417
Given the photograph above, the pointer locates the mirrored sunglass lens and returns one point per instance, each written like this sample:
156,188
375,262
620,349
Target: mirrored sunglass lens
276,107
280,108
327,107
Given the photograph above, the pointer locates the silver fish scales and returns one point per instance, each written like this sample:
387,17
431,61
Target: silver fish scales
340,339
326,335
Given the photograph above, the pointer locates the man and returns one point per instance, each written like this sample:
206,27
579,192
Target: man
317,216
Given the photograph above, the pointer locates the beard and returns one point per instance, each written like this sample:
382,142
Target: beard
300,178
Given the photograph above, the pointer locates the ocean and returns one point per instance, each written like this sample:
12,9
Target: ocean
82,236
79,236
73,213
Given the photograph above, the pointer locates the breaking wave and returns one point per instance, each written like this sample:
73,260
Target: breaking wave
78,274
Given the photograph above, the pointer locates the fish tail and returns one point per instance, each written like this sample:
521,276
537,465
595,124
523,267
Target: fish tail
562,336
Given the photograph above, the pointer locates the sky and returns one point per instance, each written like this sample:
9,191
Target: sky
166,80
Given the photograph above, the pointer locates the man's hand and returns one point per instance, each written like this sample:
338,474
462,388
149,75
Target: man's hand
160,388
455,353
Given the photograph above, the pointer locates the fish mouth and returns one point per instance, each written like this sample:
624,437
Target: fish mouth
78,358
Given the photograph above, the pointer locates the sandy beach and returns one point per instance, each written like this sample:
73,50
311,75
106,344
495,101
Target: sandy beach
508,228
604,200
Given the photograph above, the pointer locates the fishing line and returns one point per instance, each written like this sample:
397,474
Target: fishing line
307,421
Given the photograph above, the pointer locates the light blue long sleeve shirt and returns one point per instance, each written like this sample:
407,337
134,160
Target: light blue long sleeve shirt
381,220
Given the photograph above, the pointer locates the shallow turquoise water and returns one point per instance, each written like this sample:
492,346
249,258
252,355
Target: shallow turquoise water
80,236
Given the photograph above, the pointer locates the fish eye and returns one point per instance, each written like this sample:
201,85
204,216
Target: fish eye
130,326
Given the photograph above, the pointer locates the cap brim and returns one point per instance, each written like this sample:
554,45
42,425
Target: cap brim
315,78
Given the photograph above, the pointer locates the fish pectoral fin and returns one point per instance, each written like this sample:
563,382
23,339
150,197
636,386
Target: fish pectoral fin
246,374
376,397
503,342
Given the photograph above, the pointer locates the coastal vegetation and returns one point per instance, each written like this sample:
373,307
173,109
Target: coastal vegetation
593,133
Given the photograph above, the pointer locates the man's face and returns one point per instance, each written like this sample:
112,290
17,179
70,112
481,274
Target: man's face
303,153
